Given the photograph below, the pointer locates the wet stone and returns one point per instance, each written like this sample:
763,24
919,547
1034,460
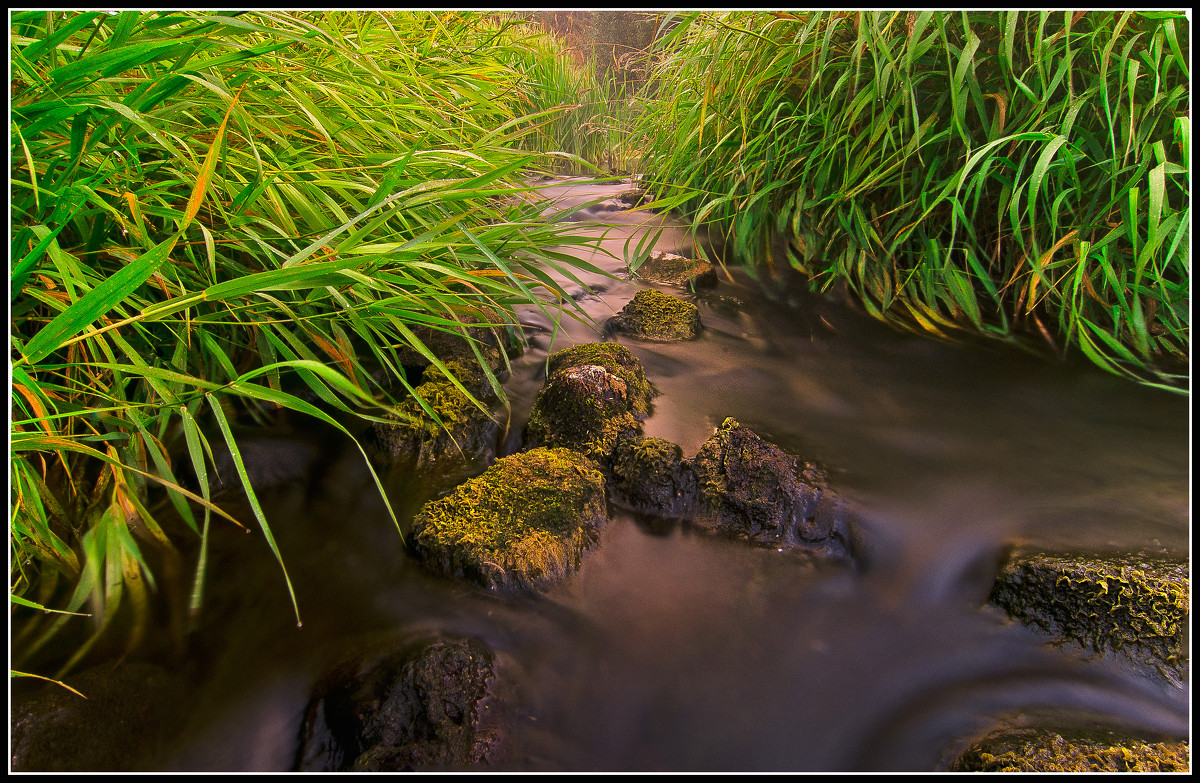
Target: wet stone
651,476
1044,750
127,715
425,705
616,359
582,408
653,315
674,269
493,343
1131,605
524,524
749,488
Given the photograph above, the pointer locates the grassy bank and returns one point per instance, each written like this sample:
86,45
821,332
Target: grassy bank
219,216
1010,173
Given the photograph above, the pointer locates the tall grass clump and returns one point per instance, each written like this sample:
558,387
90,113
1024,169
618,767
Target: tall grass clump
219,215
566,108
1002,172
578,113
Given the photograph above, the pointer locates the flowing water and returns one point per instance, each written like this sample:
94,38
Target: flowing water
674,650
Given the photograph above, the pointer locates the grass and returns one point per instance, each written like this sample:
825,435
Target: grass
219,216
573,113
1007,173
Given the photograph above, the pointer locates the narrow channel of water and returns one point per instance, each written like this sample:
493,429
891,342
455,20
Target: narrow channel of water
672,650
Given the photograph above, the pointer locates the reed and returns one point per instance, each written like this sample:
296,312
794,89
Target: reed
573,113
1006,173
216,216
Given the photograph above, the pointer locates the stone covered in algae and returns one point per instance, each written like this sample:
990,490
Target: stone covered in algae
523,524
1042,750
615,358
595,394
674,269
1132,605
752,489
424,704
651,475
465,432
653,315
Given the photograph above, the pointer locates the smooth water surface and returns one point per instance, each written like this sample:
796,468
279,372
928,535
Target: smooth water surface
675,650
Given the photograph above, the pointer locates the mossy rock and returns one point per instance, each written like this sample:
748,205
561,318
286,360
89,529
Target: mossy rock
615,358
1042,750
653,315
674,269
582,408
1132,605
494,343
651,476
421,705
749,488
465,433
523,524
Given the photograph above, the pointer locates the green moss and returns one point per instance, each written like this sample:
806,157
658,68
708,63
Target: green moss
464,430
1035,750
651,475
583,408
524,522
615,358
678,270
1138,607
653,315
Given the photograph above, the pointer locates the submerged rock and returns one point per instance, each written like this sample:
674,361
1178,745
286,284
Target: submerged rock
749,488
595,394
653,315
674,269
524,523
465,432
422,706
1043,750
126,714
1131,605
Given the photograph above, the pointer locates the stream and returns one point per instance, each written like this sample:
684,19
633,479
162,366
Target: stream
676,650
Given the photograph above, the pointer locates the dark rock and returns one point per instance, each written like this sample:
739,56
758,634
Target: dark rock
1043,750
595,394
523,524
126,717
1132,605
271,459
426,705
751,489
650,475
653,315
